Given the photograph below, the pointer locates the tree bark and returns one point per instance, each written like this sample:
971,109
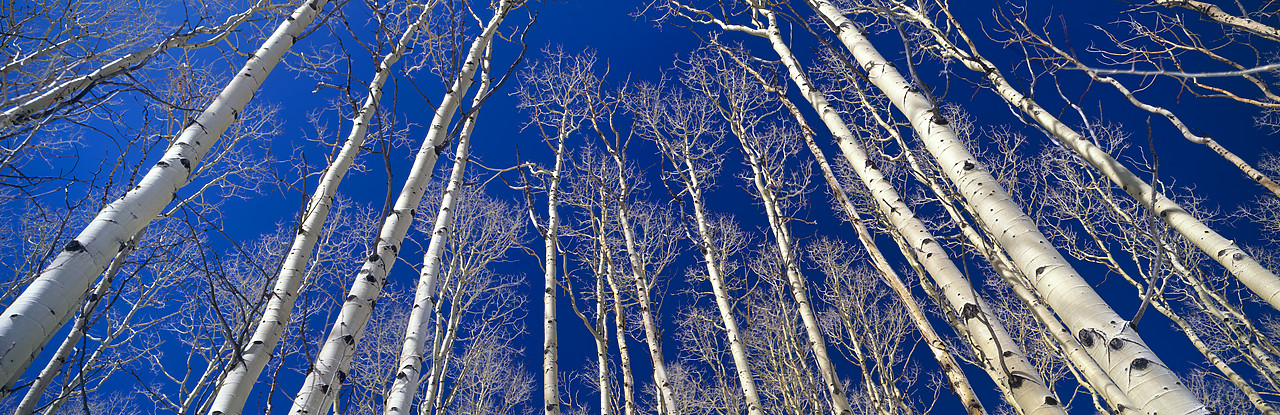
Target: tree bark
1115,345
37,314
236,387
330,366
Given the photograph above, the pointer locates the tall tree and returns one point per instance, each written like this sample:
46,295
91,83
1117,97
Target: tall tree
47,304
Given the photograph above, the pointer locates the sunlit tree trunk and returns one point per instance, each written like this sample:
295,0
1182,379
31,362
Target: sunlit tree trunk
330,366
33,318
238,383
30,106
629,406
47,375
550,339
405,387
1115,345
941,351
1259,279
692,168
1212,11
1001,356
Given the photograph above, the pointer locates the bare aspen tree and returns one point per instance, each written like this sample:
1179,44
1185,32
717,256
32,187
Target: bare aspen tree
1262,281
684,130
552,91
1001,357
49,301
41,98
644,229
784,367
1133,366
584,194
1095,377
238,384
473,306
941,351
330,365
405,387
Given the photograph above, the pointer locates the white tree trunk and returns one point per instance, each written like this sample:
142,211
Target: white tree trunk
714,263
1000,354
1259,279
30,104
1216,13
330,366
238,384
550,338
941,351
1116,346
666,394
41,383
409,374
620,328
33,318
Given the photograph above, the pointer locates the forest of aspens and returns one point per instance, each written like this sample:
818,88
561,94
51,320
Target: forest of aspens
640,207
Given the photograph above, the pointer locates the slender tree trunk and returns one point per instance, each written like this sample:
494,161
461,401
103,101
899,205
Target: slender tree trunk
620,326
1115,345
1212,11
238,384
405,387
28,106
37,314
330,367
41,383
783,239
941,351
550,338
714,263
602,346
1003,358
1259,279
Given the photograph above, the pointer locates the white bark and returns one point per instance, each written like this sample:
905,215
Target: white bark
1001,356
1244,267
405,387
550,337
330,366
713,259
1214,12
236,387
941,351
28,105
1116,346
47,304
41,383
666,395
620,330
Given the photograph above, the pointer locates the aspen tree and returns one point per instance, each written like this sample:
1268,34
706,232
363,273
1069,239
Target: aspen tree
1212,11
235,388
552,91
38,386
684,134
329,368
941,351
1003,360
36,104
1109,338
33,318
629,405
409,374
732,96
1094,376
644,265
1259,279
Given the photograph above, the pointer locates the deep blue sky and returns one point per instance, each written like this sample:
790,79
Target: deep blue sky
635,48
